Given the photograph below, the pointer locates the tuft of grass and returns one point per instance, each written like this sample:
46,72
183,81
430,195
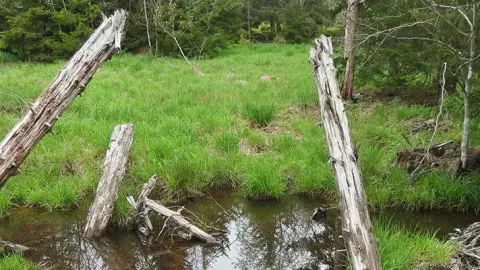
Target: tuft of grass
262,179
401,249
16,262
403,112
227,142
259,113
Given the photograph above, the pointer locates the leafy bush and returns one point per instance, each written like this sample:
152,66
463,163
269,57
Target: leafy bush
200,28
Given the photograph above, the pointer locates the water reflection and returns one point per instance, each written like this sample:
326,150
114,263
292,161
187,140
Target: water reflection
261,235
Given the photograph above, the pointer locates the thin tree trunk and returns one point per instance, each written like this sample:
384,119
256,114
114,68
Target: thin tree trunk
248,21
69,83
148,27
357,228
114,168
351,22
468,88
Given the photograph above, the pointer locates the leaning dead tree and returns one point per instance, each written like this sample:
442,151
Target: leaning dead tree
144,205
360,241
113,173
69,83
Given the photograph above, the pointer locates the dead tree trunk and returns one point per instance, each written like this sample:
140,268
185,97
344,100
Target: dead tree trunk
351,22
357,228
113,173
69,83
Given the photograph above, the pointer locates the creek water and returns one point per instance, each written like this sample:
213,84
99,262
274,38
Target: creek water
259,235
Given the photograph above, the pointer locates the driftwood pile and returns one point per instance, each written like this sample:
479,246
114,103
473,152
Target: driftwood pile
143,206
468,242
443,156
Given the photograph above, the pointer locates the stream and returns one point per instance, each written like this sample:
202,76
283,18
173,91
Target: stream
259,235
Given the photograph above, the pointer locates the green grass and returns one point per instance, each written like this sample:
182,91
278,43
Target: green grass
400,249
16,262
228,128
259,113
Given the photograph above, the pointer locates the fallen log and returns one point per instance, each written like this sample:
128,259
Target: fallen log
69,83
14,248
113,172
175,216
357,228
144,205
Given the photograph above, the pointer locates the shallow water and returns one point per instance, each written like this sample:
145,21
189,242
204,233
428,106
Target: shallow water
260,235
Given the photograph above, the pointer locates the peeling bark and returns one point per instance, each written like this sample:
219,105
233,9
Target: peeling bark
357,229
113,174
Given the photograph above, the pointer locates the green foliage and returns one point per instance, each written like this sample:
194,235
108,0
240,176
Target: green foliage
262,178
16,262
43,33
227,142
200,27
401,249
259,113
403,112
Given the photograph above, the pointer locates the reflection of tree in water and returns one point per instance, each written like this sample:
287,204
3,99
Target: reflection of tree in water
281,235
262,235
265,235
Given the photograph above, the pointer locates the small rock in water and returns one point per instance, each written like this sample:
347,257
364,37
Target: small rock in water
319,214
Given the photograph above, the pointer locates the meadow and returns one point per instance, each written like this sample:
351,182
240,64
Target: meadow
250,124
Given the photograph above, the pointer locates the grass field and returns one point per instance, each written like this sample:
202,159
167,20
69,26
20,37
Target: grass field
229,128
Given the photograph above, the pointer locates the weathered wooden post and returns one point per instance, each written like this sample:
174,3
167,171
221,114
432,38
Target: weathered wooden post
114,168
357,228
69,83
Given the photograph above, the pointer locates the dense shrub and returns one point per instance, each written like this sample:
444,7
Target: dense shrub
43,33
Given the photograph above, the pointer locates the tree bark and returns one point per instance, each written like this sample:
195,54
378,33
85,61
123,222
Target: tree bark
69,83
113,173
357,229
468,88
351,22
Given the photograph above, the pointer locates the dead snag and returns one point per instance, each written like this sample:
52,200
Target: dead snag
113,173
140,213
69,83
144,205
357,228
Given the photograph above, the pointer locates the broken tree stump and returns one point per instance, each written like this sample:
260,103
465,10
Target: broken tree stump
69,83
144,205
357,228
113,172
